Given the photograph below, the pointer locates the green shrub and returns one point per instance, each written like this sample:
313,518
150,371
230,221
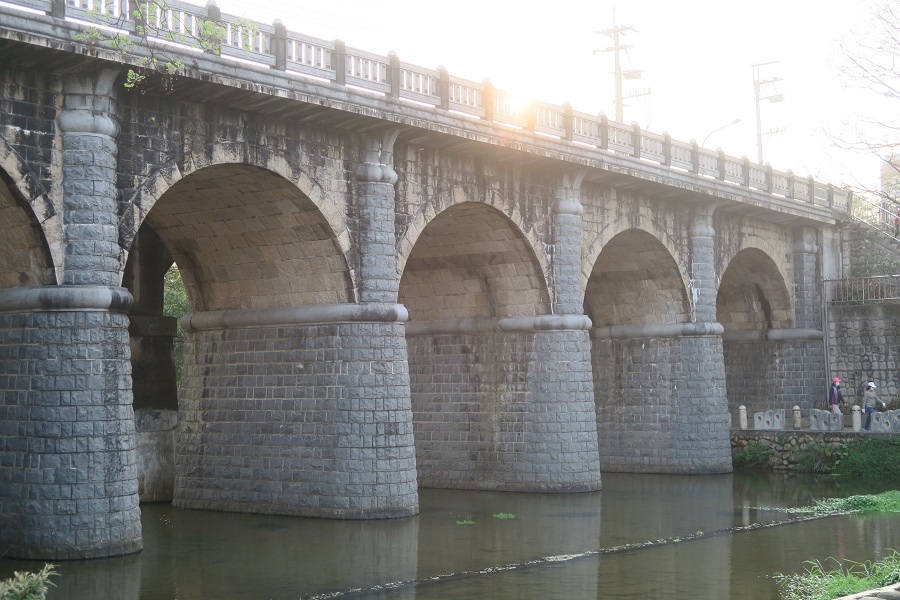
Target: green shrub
870,458
819,457
27,586
753,456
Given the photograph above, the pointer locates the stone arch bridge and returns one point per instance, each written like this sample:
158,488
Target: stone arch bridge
395,281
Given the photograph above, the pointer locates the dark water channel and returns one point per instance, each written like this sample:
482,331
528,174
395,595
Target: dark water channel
643,536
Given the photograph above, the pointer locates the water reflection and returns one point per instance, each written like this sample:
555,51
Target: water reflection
630,549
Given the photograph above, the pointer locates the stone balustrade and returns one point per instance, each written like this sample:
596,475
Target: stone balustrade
263,47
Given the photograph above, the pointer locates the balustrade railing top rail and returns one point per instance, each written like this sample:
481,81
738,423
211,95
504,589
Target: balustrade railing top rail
263,46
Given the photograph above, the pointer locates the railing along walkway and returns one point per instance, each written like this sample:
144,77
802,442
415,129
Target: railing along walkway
864,290
261,46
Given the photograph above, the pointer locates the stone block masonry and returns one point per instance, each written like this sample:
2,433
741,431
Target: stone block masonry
503,410
307,419
68,479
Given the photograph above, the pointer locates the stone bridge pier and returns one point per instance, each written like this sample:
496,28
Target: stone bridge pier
68,486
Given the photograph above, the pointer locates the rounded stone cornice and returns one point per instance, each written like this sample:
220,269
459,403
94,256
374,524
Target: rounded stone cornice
774,335
530,323
84,121
568,206
295,315
66,297
670,330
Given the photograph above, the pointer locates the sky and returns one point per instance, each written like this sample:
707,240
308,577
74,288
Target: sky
696,60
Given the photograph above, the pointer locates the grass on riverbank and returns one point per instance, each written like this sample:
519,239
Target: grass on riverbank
821,583
884,502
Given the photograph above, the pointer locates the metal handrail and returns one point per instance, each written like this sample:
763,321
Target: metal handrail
863,290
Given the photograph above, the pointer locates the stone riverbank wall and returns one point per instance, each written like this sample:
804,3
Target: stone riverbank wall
788,446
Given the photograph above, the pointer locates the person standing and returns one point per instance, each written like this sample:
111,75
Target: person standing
870,402
835,398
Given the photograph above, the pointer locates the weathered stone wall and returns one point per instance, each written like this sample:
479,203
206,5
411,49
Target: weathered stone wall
769,375
661,405
864,345
297,420
68,468
504,410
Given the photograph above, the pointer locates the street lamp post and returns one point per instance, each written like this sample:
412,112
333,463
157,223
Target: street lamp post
757,87
717,129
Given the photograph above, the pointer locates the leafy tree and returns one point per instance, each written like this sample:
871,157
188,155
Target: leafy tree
176,304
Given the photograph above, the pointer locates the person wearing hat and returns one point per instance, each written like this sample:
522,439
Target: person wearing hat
870,402
835,398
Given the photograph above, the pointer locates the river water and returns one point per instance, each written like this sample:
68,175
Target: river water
642,536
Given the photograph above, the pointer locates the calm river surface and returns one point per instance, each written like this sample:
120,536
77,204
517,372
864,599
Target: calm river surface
558,547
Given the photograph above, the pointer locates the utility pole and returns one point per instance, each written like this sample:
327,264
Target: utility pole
758,85
616,32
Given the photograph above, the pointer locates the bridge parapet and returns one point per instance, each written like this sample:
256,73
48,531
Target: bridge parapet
271,47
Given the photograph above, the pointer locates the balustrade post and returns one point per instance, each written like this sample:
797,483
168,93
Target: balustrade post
279,45
604,132
636,139
811,189
58,9
569,121
488,100
339,62
667,149
790,184
745,171
444,87
394,74
770,185
720,165
695,157
830,196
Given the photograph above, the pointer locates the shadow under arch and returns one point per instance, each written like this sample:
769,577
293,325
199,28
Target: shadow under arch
28,259
636,281
330,208
457,196
244,237
638,223
754,306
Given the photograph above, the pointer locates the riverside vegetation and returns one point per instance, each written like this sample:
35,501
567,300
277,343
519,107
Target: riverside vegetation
24,585
819,582
867,458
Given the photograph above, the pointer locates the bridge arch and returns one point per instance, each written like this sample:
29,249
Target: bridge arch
515,224
30,222
281,248
635,280
151,190
472,261
662,241
754,306
753,294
